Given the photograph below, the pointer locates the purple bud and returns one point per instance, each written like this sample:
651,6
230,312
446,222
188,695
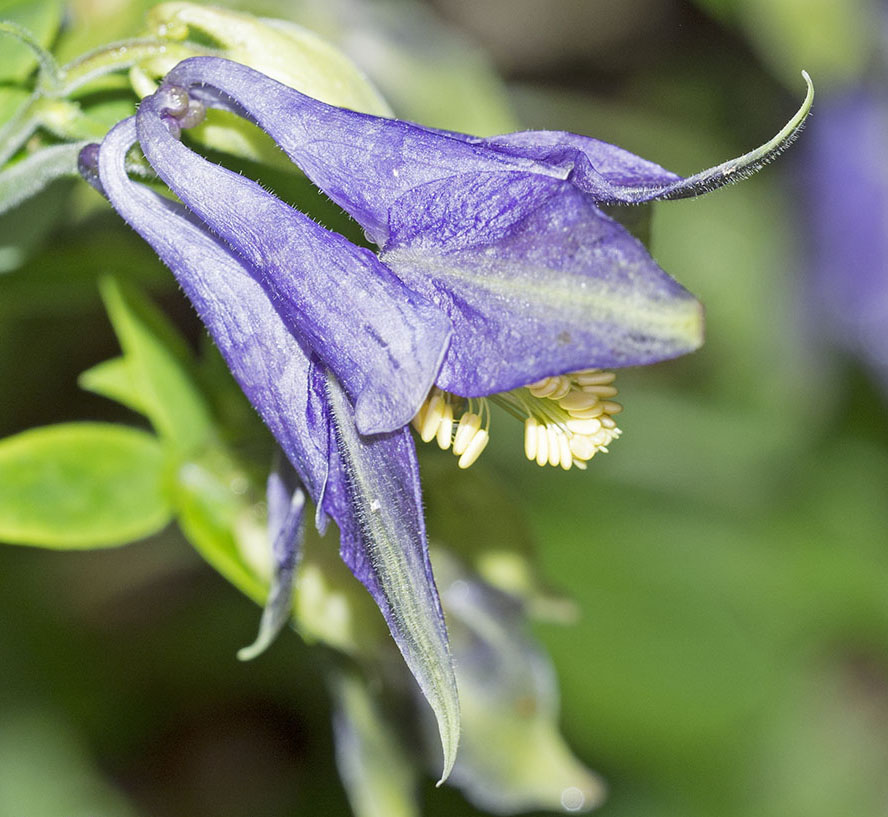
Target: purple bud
88,166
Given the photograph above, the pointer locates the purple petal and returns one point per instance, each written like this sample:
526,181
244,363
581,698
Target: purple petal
264,357
536,281
602,170
286,509
384,342
376,500
846,187
362,162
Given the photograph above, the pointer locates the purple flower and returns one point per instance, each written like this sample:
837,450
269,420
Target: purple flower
847,197
498,275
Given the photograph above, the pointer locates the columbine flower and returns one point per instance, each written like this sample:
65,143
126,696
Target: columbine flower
498,275
848,223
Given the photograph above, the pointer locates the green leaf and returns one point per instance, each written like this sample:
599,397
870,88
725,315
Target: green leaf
217,521
41,18
159,363
81,485
113,379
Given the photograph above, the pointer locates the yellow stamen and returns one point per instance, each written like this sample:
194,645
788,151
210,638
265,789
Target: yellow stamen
445,427
469,425
542,446
530,438
476,445
568,419
433,413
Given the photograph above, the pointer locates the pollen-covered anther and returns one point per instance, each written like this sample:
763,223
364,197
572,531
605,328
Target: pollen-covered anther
568,420
552,387
436,418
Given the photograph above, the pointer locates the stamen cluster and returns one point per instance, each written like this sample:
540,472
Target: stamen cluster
570,418
567,418
455,421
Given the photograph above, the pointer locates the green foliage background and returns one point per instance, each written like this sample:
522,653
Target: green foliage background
729,557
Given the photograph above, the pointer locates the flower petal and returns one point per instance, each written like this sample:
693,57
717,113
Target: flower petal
536,280
362,162
377,504
612,175
365,162
286,509
384,342
264,357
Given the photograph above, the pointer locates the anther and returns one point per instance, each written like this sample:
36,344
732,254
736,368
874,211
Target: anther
469,425
444,434
594,377
476,445
530,438
566,457
600,390
578,400
554,447
433,413
592,426
542,446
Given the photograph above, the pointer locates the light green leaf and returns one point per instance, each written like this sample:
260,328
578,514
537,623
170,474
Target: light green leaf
218,522
113,379
159,367
81,485
41,18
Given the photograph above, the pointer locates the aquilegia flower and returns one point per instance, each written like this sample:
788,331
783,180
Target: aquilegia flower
847,209
497,270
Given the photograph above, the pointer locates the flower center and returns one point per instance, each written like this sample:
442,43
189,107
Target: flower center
567,419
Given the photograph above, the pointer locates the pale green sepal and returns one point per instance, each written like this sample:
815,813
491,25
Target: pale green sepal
284,51
113,379
33,174
82,485
393,540
158,361
378,775
512,756
735,170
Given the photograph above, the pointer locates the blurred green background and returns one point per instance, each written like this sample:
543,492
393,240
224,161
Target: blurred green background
729,557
